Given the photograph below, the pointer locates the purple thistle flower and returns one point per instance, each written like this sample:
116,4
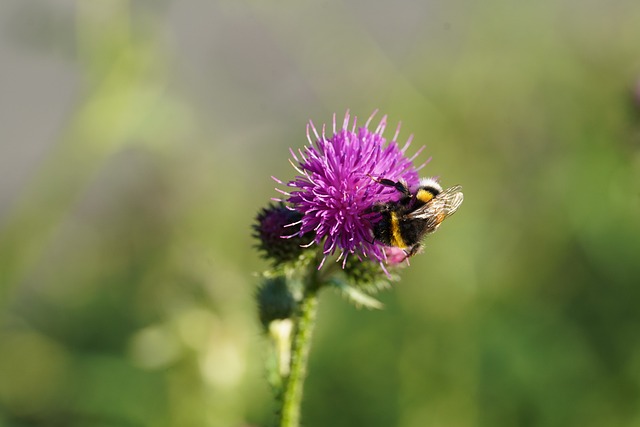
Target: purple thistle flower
336,187
395,256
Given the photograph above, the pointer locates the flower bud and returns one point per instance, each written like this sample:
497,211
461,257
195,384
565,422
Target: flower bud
367,275
277,231
275,301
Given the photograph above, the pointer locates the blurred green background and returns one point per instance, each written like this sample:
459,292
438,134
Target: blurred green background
137,143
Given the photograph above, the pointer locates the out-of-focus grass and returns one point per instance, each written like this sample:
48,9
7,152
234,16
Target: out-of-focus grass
125,253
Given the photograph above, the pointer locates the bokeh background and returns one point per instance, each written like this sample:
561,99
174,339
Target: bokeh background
137,141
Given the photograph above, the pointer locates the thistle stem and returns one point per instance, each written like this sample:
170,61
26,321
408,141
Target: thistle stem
292,396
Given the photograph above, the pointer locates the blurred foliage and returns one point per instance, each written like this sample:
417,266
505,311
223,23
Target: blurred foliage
138,141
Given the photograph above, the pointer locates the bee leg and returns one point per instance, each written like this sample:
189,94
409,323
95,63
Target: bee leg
414,250
400,186
406,257
373,240
381,207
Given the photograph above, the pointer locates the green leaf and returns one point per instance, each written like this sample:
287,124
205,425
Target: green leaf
355,295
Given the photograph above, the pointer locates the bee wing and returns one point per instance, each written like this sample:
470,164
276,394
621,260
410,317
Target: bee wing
440,207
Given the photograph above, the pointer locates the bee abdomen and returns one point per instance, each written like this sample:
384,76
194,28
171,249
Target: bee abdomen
394,230
382,229
412,231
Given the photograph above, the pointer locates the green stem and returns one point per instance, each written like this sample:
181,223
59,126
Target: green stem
292,396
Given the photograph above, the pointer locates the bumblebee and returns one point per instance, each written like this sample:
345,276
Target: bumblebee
405,223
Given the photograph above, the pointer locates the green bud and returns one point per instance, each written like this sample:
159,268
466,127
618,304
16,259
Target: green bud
275,301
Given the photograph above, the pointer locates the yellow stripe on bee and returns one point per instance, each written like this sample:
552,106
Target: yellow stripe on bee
396,237
424,196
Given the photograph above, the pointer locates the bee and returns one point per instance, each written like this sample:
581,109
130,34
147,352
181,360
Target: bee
406,222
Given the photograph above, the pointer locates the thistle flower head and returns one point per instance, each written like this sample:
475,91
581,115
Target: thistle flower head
337,185
271,226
